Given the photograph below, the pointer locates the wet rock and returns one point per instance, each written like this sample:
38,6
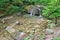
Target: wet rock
49,31
40,16
10,29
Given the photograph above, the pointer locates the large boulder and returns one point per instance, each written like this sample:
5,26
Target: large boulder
49,31
58,33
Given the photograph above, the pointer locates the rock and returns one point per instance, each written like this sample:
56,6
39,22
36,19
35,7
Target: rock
49,31
10,29
40,16
58,33
17,22
19,35
49,39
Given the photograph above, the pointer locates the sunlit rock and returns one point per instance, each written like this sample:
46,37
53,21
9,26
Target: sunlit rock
19,35
17,23
49,31
10,29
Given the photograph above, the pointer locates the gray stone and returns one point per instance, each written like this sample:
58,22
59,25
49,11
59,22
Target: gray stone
10,29
21,36
18,35
49,38
17,22
58,33
49,31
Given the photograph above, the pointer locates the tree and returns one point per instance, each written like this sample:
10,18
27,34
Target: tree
51,10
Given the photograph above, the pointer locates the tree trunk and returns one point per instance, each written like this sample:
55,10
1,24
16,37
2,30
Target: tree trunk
56,20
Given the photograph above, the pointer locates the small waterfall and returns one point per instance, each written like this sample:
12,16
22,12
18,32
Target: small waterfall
36,11
40,13
31,13
40,16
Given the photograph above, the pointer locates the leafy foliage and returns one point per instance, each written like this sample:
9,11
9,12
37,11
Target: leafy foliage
58,38
51,7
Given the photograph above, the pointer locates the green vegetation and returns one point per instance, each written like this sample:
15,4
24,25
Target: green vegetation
51,7
58,38
50,10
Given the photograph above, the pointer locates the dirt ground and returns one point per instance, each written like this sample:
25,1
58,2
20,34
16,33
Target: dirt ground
25,24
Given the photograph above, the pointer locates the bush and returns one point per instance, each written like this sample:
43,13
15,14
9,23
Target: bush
58,38
12,9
